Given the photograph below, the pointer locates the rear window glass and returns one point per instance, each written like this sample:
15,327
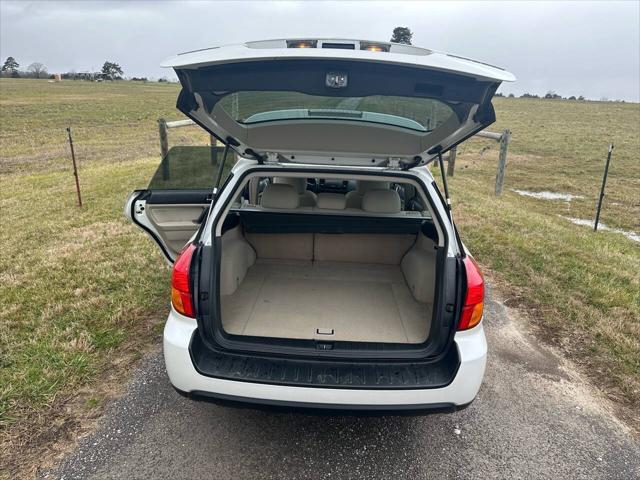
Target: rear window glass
191,168
346,195
414,113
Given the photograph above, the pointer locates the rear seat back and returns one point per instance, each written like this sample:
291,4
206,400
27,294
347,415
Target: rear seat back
324,247
361,248
381,201
280,196
354,198
331,201
306,198
282,246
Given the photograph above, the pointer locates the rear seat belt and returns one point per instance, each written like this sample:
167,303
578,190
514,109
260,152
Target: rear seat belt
253,190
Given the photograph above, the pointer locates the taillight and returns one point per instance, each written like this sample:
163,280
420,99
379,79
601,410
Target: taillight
474,299
180,282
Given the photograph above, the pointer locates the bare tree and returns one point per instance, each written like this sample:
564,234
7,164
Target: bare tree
37,69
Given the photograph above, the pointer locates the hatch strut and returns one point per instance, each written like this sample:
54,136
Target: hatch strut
257,156
216,185
445,184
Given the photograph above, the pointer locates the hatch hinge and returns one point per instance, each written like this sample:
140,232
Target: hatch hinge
394,163
272,158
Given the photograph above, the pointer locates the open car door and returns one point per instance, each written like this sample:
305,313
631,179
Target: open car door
176,202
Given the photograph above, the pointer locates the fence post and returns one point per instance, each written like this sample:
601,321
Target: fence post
164,147
604,183
502,161
452,161
75,167
214,151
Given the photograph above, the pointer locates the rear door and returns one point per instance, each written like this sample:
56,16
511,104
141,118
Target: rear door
176,201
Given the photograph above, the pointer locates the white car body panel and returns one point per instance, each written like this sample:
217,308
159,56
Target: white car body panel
407,55
471,344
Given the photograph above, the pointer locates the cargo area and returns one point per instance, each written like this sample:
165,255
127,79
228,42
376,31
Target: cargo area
333,287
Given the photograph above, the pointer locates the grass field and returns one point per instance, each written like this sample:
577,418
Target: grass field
84,293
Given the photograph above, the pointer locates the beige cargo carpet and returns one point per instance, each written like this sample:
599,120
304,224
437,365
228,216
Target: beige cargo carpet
293,299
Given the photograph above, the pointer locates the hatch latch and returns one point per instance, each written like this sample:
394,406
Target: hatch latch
325,331
139,208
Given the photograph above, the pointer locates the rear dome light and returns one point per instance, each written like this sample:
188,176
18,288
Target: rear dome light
302,43
474,299
181,296
374,47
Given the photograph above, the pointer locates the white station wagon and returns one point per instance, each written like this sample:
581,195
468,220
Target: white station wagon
315,261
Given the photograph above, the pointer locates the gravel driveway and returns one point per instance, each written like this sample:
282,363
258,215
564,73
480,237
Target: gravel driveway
534,418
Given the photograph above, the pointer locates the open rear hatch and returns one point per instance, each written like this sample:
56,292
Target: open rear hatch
336,102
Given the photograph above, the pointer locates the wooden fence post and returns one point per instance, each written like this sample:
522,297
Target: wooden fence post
164,147
164,137
214,151
502,161
75,168
452,161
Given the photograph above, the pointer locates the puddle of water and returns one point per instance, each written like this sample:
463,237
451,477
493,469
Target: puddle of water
544,195
601,226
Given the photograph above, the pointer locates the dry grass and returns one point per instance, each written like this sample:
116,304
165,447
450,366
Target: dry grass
82,289
582,289
111,121
562,146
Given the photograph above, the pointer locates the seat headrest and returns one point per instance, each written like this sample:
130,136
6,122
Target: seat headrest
280,195
331,201
299,184
363,186
381,201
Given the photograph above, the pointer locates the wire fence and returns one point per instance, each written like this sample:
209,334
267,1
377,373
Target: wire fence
47,150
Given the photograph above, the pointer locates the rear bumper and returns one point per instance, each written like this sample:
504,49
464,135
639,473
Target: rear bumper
321,409
472,349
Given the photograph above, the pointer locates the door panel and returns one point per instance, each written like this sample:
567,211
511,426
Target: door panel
170,224
176,224
174,205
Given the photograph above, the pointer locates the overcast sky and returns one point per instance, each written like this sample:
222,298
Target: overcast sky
574,48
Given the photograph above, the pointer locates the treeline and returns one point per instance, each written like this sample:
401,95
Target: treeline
551,95
110,71
77,76
11,68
